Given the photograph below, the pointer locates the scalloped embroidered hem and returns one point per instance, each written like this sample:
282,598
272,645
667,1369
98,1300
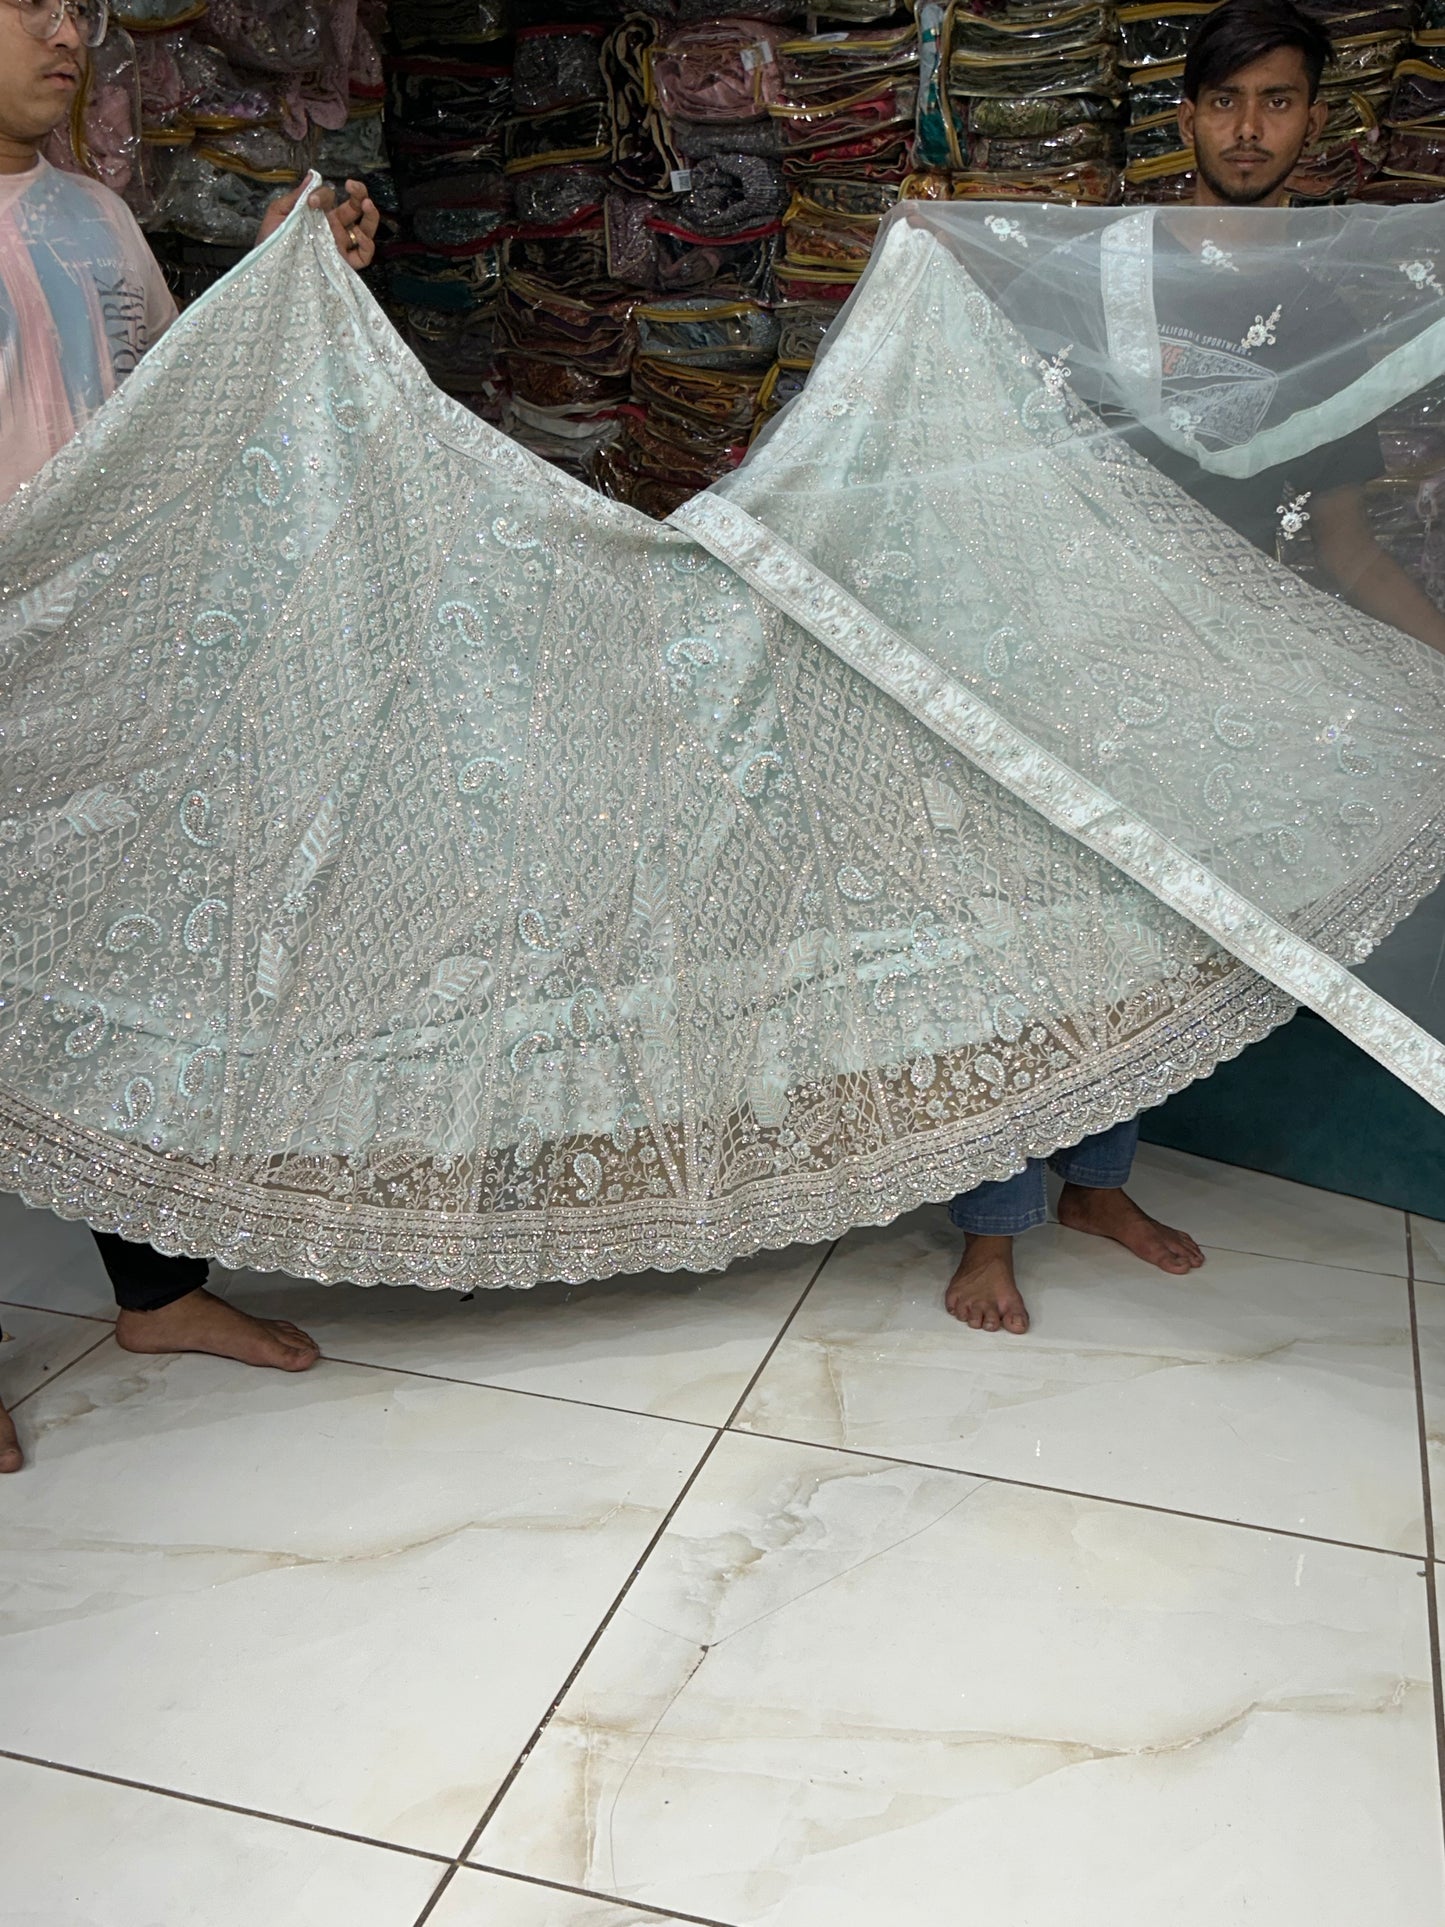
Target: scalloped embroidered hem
121,1188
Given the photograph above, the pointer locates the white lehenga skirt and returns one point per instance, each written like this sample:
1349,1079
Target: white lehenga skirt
417,869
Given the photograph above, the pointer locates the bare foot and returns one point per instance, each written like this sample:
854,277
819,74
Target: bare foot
201,1323
1111,1214
982,1292
11,1457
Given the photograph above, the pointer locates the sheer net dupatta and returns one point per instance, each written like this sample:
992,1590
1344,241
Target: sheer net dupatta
1018,566
417,869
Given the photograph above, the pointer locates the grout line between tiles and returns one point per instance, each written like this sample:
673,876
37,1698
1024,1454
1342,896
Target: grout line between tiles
507,1782
520,1391
1432,1591
221,1806
1410,1217
55,1311
1073,1492
51,1377
591,1893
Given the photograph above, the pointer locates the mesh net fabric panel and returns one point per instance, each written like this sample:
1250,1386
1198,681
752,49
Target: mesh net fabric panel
419,869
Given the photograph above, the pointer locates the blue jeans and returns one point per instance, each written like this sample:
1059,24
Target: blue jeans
1012,1205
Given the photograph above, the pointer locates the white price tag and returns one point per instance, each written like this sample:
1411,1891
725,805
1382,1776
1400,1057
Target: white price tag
681,180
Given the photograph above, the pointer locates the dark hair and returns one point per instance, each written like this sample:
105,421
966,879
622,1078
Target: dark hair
1243,31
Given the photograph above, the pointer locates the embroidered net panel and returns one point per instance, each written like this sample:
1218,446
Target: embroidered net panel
417,869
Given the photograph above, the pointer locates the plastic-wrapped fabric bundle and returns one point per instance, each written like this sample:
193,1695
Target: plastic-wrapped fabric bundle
848,101
218,205
550,140
725,70
644,158
731,193
539,320
1416,122
460,278
356,150
570,441
990,84
266,36
817,68
448,23
167,92
556,66
1159,167
792,873
544,383
801,328
458,348
219,97
439,104
696,140
834,225
1154,36
650,251
467,176
261,153
553,196
695,426
445,122
572,256
149,16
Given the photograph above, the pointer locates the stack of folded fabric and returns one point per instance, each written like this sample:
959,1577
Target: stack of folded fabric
445,124
1348,158
699,369
1152,43
692,219
1021,100
1414,131
844,103
566,330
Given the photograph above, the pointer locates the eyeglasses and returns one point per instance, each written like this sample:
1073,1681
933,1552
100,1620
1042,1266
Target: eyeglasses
42,19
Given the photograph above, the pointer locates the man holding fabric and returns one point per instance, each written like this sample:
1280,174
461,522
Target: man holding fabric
1251,106
81,300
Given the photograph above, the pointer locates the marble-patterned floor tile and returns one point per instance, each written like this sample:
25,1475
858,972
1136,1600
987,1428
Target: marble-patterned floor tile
476,1899
843,1692
1225,1205
1259,1389
673,1343
50,1263
38,1344
1428,1239
83,1853
345,1596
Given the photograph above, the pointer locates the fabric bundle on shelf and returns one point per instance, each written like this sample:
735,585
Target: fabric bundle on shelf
1022,101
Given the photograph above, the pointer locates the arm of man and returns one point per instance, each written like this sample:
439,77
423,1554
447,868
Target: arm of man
1362,572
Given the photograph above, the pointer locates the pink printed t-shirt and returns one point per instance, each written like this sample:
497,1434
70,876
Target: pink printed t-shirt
81,300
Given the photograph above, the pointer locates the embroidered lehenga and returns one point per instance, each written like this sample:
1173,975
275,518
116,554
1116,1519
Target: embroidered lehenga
418,869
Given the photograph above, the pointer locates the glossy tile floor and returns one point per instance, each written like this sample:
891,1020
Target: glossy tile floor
771,1598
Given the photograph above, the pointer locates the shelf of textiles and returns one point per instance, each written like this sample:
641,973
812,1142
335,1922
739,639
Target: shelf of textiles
1023,100
199,115
619,229
609,221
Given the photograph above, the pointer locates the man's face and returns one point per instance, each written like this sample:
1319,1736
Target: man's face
1248,132
38,78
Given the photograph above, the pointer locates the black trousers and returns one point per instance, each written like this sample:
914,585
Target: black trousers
143,1278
